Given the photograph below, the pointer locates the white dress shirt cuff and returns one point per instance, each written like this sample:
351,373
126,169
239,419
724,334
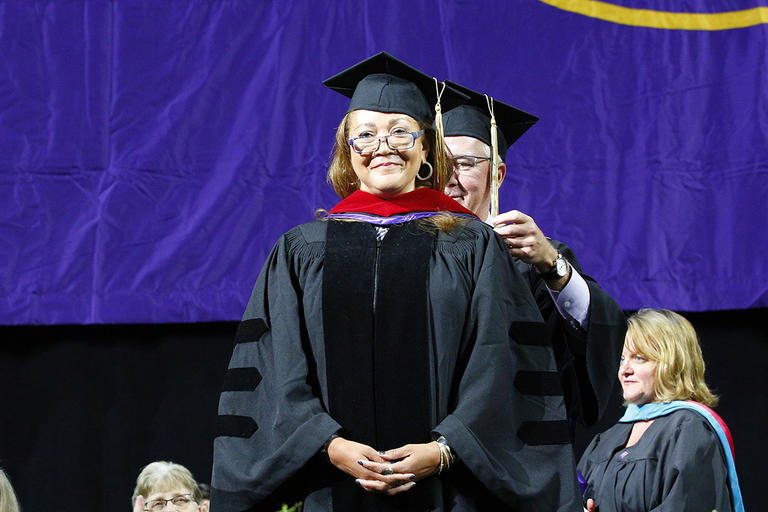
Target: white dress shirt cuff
573,301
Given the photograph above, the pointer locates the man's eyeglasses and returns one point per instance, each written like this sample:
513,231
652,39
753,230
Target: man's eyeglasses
181,502
468,163
401,140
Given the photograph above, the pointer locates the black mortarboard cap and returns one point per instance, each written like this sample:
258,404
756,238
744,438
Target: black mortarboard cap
385,84
474,120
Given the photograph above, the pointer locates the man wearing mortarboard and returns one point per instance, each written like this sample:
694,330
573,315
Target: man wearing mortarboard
585,326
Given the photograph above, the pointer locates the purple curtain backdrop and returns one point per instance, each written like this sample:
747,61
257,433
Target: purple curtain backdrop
151,153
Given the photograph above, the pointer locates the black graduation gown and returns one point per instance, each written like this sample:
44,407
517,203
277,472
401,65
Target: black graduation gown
491,379
587,361
678,465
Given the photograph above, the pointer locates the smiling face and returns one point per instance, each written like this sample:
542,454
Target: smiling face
637,375
471,187
386,172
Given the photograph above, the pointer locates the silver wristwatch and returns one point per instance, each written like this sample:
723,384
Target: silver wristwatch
559,271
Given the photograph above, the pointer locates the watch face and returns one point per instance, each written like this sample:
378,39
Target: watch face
561,266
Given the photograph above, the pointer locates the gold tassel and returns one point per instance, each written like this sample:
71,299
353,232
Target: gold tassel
494,184
440,161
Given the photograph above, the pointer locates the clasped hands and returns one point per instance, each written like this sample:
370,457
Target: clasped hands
390,472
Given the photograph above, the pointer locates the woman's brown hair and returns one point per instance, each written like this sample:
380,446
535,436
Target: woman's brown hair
344,181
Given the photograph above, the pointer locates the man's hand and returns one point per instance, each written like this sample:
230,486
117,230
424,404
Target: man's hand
526,242
524,239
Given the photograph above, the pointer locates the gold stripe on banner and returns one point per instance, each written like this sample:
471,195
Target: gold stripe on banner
663,19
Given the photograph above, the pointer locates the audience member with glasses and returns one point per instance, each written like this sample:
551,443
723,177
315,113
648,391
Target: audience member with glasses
374,364
163,486
585,325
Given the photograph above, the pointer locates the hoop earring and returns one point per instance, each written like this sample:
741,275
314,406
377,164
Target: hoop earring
431,170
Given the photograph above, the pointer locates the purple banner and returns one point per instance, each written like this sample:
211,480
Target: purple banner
151,153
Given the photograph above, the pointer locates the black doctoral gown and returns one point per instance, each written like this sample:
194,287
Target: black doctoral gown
425,333
587,360
678,465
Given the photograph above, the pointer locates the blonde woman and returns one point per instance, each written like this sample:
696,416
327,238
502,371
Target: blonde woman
669,451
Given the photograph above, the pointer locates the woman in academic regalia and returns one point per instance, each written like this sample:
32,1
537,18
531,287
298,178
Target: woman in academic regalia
372,370
669,451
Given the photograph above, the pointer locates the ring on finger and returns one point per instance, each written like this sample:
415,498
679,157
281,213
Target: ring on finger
388,470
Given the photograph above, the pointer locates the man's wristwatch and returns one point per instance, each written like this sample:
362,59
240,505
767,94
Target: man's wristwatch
559,269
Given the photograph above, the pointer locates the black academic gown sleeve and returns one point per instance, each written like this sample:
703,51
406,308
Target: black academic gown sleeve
494,415
586,359
677,465
272,423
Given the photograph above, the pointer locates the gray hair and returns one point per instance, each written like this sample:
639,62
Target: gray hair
8,501
162,475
